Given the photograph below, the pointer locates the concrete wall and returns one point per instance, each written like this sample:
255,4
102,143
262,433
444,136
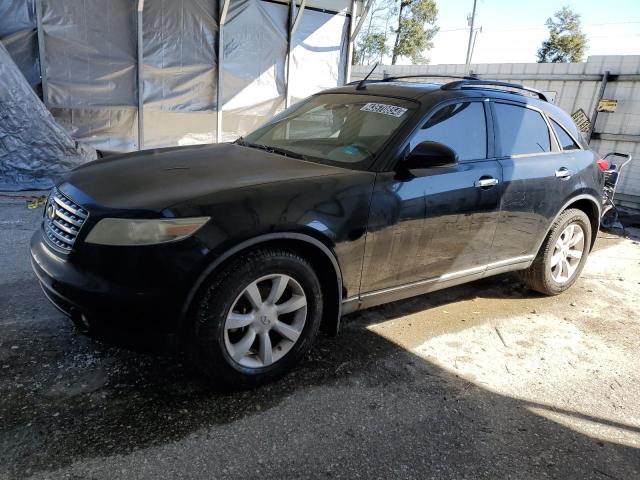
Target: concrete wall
571,94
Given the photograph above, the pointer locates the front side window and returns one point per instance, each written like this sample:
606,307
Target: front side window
334,128
520,130
566,142
461,126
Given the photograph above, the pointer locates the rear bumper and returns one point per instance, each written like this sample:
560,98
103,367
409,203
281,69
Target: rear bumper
131,312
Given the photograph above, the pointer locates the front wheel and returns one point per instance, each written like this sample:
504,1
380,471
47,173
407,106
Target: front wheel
256,318
562,255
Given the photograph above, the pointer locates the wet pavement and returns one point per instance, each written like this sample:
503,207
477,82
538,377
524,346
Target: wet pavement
486,380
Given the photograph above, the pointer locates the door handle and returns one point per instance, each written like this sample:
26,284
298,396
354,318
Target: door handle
563,173
486,182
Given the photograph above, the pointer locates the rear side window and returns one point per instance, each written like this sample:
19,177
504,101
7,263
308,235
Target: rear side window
566,142
462,127
521,131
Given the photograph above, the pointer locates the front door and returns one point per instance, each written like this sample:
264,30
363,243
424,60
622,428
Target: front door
442,221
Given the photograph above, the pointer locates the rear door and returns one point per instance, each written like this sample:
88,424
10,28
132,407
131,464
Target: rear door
537,178
440,221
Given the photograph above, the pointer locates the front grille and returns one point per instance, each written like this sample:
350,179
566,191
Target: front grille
63,220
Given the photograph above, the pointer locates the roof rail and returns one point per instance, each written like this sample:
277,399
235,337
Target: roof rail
476,83
426,75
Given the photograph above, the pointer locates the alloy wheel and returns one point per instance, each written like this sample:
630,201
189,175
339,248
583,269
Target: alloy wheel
567,253
265,321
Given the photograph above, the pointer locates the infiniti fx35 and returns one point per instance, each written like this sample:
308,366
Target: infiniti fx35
240,253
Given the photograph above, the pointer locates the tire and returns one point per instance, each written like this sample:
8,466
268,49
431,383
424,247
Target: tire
228,299
541,276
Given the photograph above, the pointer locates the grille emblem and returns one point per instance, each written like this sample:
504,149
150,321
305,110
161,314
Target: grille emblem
51,212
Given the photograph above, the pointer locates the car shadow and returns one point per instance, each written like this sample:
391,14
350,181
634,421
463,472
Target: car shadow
66,398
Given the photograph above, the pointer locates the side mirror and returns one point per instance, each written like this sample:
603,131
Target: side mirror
430,154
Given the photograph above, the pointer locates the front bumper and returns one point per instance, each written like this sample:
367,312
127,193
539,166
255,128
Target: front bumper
132,296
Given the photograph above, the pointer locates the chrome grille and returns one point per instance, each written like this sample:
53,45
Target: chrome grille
63,220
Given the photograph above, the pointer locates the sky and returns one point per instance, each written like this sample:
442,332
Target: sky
512,31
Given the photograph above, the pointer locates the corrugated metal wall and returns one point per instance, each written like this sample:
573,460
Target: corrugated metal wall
570,94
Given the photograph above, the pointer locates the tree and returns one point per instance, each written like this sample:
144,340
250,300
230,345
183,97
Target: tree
567,42
371,46
416,29
372,43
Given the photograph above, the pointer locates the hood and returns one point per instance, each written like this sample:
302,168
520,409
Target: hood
158,179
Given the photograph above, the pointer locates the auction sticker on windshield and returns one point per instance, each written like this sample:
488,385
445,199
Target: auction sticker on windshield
385,109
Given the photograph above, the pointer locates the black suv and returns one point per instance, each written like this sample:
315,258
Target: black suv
365,194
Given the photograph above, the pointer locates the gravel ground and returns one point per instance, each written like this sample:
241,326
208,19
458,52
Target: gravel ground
485,380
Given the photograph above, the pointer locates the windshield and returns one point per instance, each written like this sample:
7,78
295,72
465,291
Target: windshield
333,128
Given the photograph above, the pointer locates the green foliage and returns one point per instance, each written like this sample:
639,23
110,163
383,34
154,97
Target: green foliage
372,46
416,29
372,42
567,42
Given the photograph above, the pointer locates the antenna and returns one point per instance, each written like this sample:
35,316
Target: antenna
361,85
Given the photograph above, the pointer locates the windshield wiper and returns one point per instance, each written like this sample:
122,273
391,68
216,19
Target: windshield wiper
270,149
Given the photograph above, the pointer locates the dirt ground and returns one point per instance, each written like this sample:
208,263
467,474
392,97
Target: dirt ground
486,380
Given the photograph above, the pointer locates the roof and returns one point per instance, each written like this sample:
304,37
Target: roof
412,90
430,91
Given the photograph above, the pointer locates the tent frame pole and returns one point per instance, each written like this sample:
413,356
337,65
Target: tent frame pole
41,53
352,29
221,22
140,71
294,21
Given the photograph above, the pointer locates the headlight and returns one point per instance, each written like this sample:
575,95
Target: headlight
123,231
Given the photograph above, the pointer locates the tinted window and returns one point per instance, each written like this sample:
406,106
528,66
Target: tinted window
521,130
566,142
461,127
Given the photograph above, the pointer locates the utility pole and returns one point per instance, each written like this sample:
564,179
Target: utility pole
472,20
473,45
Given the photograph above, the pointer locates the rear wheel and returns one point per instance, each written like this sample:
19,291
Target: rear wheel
256,318
562,255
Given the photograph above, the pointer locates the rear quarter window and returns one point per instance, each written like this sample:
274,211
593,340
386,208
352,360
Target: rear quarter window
566,142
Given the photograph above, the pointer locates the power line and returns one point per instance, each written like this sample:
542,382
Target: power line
538,27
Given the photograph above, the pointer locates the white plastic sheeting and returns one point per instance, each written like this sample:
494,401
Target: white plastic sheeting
180,72
90,67
34,149
90,59
20,38
319,53
253,65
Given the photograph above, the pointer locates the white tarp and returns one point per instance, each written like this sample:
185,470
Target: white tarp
91,74
34,149
91,65
318,54
19,36
180,72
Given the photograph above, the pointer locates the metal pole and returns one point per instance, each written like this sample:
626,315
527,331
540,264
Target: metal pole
140,78
473,19
352,26
221,22
365,12
294,21
287,98
41,53
594,115
473,45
